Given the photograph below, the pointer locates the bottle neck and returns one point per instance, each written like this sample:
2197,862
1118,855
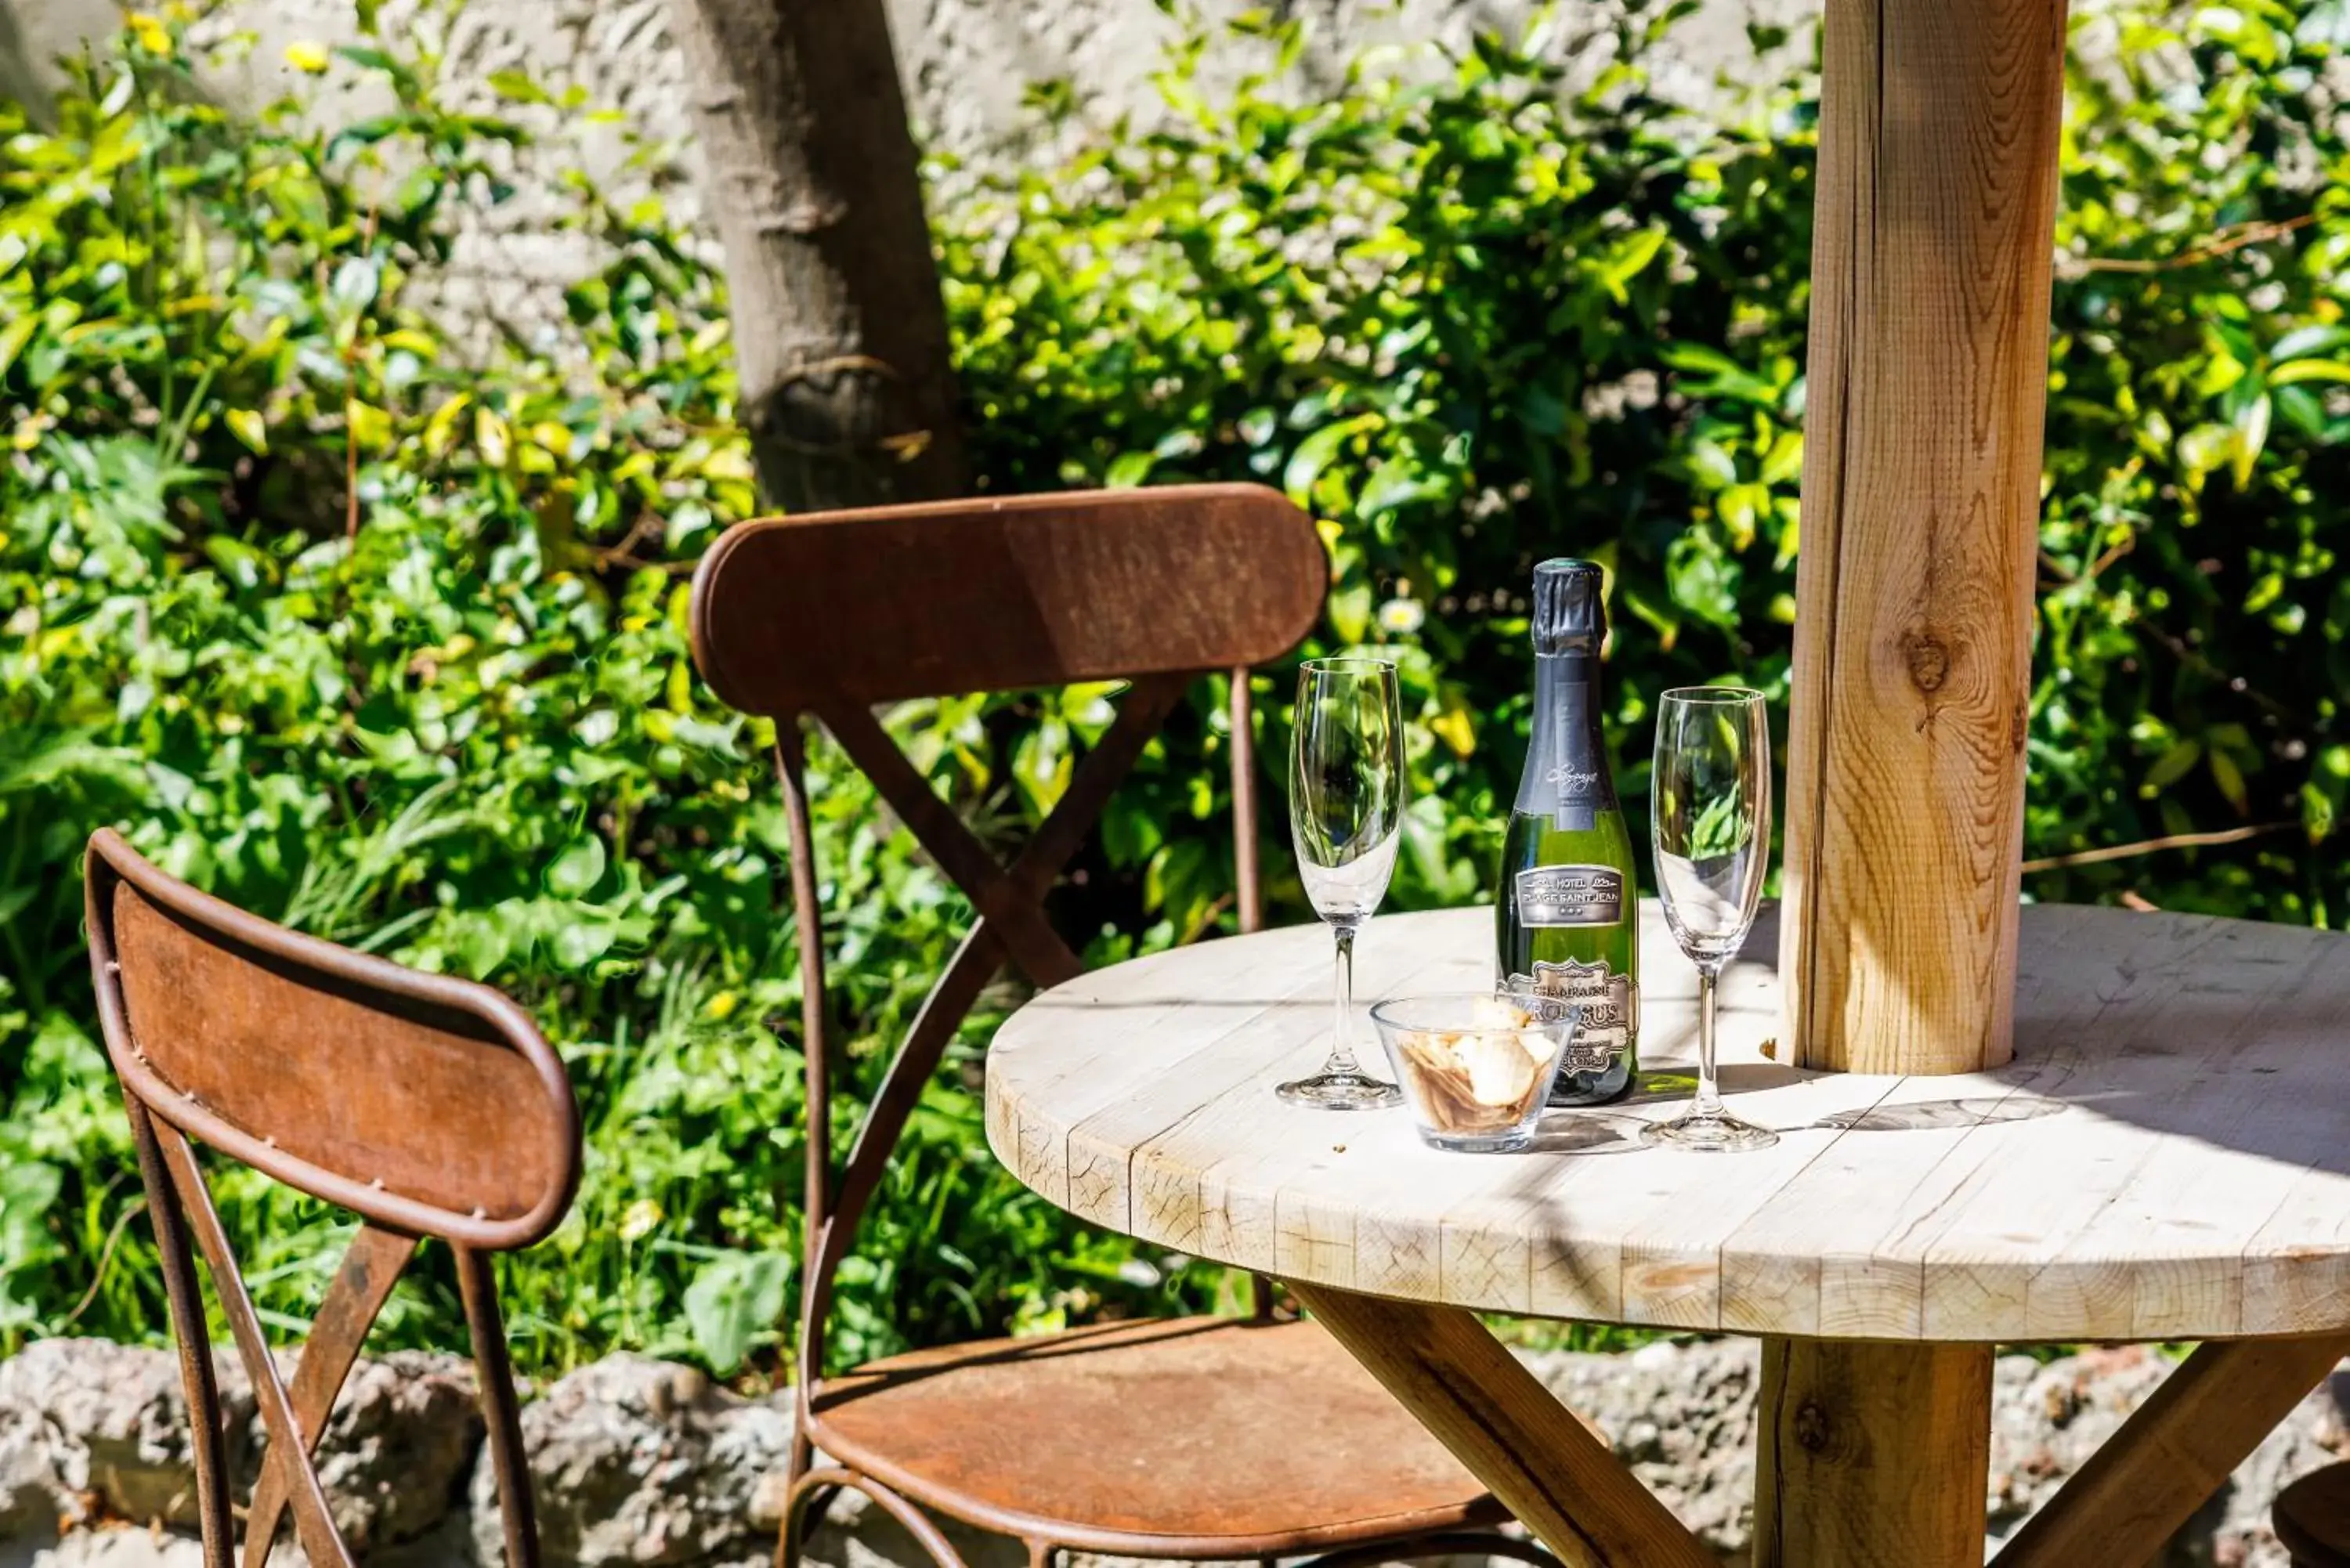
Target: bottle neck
1567,761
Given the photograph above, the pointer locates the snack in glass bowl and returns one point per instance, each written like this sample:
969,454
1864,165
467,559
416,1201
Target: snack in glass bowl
1476,1068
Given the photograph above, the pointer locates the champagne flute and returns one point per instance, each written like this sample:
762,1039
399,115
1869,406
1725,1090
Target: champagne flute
1345,816
1709,805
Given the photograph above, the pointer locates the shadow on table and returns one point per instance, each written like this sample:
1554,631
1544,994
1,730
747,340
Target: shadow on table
2230,1034
1587,1132
1924,1116
1735,1077
1603,1132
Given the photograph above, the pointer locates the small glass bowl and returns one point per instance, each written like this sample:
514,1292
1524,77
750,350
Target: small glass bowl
1475,1067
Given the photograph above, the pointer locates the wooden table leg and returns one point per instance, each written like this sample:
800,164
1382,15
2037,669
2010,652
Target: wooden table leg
1872,1454
1560,1480
2173,1452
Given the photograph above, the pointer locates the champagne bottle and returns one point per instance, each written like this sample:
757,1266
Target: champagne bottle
1568,910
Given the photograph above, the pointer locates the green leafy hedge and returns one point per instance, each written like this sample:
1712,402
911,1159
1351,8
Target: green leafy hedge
384,638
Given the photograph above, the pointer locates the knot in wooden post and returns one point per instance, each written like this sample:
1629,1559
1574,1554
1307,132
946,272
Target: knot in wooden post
1928,659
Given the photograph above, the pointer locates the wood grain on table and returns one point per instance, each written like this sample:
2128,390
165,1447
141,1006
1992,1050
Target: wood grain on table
2167,1156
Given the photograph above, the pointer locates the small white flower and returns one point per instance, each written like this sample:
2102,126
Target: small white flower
1401,618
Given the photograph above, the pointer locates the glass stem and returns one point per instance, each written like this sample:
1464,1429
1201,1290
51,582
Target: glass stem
1709,1094
1342,1034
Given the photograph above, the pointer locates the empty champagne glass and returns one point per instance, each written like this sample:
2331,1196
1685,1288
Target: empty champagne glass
1345,816
1709,805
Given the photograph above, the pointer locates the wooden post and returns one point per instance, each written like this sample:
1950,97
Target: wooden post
1936,200
1869,1455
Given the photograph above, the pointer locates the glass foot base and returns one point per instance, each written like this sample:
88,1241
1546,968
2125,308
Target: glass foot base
1715,1134
1498,1143
1341,1092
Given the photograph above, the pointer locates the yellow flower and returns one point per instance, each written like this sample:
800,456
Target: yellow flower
250,427
1455,728
305,56
153,37
638,1220
490,437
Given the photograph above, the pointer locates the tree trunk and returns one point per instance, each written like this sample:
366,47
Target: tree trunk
812,185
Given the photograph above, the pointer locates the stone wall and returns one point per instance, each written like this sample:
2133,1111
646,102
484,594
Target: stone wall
967,63
643,1464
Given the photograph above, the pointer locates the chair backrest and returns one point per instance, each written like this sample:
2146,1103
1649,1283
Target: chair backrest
799,614
426,1105
825,616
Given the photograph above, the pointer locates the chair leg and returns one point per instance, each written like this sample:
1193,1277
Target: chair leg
805,1520
791,1537
835,1479
1042,1553
1440,1543
792,1540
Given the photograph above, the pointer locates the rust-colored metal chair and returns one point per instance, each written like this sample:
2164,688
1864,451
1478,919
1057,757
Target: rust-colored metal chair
426,1105
1198,1438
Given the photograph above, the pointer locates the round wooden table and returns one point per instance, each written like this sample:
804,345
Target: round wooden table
2167,1158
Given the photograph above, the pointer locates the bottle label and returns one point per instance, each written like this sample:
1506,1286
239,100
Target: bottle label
1570,896
1610,1004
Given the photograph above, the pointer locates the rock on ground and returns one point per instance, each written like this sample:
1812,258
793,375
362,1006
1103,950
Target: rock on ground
1682,1418
643,1464
93,1432
2046,1420
640,1462
400,1448
112,1427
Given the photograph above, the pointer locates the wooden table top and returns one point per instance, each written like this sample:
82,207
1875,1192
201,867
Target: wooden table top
2168,1156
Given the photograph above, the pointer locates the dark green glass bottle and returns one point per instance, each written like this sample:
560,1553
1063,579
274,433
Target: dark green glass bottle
1568,911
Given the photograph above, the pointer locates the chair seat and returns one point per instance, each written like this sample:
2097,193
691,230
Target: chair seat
1211,1436
2313,1518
